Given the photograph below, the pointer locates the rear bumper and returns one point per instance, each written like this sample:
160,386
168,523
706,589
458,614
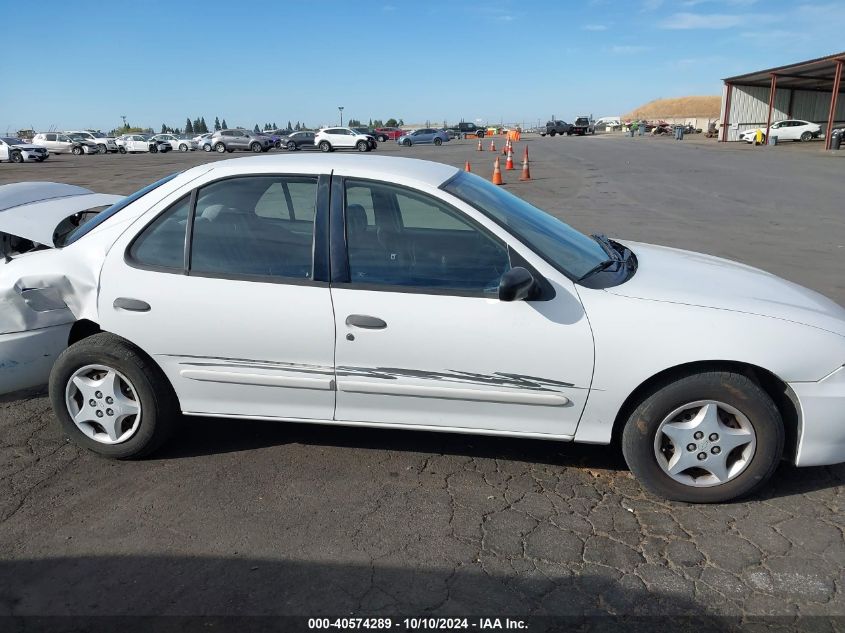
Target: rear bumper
822,411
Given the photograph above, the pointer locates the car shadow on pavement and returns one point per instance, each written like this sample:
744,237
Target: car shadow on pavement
205,436
79,593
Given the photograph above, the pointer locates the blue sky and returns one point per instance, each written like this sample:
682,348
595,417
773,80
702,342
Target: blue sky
259,61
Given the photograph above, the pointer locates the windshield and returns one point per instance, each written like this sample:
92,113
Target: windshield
571,252
97,220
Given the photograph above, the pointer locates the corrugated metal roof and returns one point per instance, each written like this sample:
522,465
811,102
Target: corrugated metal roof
814,74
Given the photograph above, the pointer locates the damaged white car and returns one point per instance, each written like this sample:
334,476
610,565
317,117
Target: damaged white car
399,293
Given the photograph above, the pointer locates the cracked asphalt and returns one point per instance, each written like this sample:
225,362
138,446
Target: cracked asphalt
257,518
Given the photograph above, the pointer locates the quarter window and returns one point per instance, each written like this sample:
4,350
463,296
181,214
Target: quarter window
400,237
255,226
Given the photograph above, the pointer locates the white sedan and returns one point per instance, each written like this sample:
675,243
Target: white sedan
790,130
177,143
405,294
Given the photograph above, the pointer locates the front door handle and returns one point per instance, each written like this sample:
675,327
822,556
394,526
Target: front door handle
133,305
365,321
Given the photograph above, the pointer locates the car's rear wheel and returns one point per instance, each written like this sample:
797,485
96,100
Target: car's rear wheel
76,151
291,146
704,438
438,141
806,136
220,148
362,146
382,138
111,399
255,147
325,146
183,147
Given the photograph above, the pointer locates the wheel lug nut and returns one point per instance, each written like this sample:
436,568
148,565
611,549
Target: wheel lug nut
691,447
698,435
99,394
715,450
109,400
702,456
92,402
99,413
109,412
714,437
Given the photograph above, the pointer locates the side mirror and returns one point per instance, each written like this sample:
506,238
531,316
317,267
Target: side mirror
516,284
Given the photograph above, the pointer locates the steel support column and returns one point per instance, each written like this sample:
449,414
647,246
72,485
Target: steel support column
834,99
773,90
727,121
789,114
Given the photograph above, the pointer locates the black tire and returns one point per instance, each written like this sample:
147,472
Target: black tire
206,147
220,148
325,146
552,132
16,157
406,142
438,141
291,146
255,148
735,390
806,136
382,138
121,149
153,149
158,402
362,146
76,151
183,147
277,145
102,149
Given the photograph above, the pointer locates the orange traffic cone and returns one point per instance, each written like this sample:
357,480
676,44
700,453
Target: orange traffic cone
509,163
497,173
525,154
492,145
480,148
526,173
466,167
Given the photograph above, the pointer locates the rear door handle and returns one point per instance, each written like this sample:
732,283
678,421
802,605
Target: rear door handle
365,321
133,305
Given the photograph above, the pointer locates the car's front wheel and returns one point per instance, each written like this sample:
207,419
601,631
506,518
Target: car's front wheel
438,141
382,138
325,146
16,157
76,151
183,147
111,399
362,146
704,438
103,149
256,148
153,149
121,149
206,147
406,142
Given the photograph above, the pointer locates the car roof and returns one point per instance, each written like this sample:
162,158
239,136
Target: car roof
375,167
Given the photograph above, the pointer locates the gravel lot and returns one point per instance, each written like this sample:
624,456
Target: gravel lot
256,518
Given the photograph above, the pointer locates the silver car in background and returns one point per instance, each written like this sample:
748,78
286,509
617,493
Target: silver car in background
230,140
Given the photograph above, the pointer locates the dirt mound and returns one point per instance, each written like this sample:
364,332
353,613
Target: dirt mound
703,106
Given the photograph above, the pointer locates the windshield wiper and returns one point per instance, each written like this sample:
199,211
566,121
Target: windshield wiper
600,267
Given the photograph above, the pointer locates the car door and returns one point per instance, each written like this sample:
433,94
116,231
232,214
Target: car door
422,338
238,323
63,143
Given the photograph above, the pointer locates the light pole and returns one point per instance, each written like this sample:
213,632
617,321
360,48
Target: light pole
341,114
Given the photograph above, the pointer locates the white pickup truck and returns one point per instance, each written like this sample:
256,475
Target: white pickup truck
104,143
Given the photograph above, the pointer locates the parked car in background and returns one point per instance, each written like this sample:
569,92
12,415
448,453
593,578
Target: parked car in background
204,141
384,134
553,128
181,143
789,130
583,125
104,143
135,143
303,139
332,138
423,136
58,143
366,131
277,137
235,139
466,129
16,150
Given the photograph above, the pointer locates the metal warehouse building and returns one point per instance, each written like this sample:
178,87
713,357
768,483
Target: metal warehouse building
808,90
